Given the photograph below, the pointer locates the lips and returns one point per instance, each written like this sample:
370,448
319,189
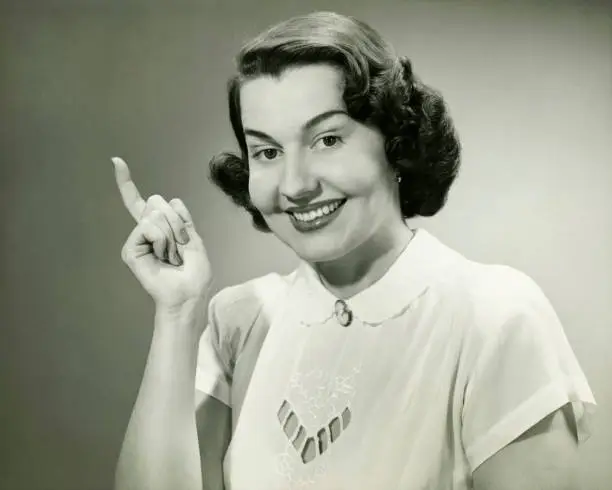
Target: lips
307,222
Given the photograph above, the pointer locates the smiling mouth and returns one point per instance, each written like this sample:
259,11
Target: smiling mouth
317,218
314,215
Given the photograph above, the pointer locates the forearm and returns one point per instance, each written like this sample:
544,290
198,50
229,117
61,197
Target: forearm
160,450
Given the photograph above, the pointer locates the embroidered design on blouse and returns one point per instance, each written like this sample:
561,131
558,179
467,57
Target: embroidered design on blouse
310,446
292,481
320,400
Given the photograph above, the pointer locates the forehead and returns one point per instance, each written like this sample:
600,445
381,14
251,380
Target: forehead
286,102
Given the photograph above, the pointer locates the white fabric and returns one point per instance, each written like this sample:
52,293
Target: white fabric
445,363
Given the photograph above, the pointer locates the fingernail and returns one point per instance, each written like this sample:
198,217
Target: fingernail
184,235
179,260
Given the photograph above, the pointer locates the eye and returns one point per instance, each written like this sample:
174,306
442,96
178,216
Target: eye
329,141
267,153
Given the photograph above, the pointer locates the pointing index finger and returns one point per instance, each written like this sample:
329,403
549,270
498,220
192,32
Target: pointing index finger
132,199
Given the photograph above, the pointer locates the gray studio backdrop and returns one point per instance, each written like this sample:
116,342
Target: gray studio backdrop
529,87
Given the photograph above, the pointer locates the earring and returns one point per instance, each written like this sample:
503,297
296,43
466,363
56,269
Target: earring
398,177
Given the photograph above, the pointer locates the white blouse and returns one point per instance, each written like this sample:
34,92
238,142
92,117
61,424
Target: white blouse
410,384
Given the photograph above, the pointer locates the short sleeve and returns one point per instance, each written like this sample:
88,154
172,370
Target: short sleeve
213,370
232,314
525,370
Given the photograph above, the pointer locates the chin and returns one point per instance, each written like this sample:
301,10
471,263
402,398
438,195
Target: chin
325,251
324,246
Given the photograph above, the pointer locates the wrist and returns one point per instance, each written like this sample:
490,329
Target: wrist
187,316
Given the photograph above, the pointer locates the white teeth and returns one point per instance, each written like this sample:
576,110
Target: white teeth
322,211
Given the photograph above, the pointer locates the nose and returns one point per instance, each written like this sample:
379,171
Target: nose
297,183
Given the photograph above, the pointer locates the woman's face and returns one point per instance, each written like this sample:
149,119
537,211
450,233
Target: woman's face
304,151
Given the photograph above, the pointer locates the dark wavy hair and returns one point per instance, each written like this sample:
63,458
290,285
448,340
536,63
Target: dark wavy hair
380,90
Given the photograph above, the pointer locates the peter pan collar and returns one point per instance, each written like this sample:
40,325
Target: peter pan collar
422,260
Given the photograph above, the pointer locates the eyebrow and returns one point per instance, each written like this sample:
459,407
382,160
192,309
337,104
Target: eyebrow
312,122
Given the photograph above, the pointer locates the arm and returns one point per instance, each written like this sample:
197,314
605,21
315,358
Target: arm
167,256
213,420
160,448
528,404
543,458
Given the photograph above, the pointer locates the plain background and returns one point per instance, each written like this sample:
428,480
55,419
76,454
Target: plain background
530,89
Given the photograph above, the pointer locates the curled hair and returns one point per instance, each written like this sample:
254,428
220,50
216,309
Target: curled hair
380,90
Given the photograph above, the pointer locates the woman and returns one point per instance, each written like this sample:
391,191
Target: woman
386,359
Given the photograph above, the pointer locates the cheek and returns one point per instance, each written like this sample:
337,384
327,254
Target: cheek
261,191
364,178
365,166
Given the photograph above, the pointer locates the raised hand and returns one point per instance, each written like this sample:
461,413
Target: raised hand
164,251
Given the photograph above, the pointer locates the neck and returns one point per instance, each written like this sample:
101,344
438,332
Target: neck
348,275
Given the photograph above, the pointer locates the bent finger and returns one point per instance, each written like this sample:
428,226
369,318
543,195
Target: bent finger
179,206
160,219
175,221
152,234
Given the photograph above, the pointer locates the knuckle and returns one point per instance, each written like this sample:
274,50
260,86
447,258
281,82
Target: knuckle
154,216
156,201
157,234
174,220
125,254
149,228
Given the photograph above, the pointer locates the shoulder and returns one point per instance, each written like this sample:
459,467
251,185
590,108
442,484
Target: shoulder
240,304
492,297
483,291
496,289
234,312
